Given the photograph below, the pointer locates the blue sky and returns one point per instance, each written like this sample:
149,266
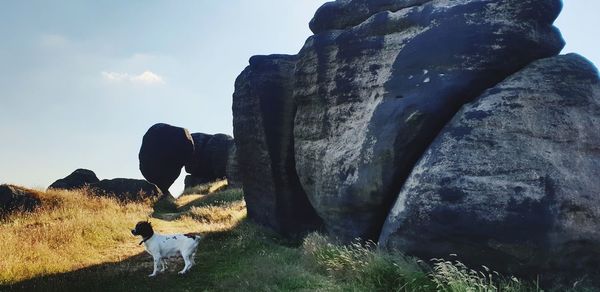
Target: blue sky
81,81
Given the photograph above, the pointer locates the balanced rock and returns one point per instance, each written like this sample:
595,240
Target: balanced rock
512,181
165,150
126,189
14,198
373,91
78,179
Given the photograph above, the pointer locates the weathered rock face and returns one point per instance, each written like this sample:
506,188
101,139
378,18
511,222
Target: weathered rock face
512,181
211,158
234,179
126,189
217,153
165,150
263,118
13,198
371,95
342,14
78,179
199,166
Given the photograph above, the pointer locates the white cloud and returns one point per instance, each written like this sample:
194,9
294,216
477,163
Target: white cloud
146,78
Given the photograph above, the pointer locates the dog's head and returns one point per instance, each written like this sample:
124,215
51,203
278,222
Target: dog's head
143,228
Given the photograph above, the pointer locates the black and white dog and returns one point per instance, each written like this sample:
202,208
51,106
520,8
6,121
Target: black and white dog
162,247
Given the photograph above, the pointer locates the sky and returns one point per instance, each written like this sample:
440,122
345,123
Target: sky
82,81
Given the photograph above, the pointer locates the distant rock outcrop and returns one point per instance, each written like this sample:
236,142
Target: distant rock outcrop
213,159
126,189
263,118
199,165
165,150
14,198
78,179
216,152
512,181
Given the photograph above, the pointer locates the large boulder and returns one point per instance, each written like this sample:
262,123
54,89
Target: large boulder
211,160
14,198
263,119
198,166
512,181
373,91
126,189
78,179
165,150
217,151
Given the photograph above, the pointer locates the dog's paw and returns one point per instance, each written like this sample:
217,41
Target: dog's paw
152,275
181,272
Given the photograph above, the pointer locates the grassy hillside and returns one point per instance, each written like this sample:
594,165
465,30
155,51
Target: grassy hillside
78,242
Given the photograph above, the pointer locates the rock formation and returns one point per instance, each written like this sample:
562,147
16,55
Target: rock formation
165,150
505,133
126,189
512,180
232,171
263,117
78,179
14,198
368,93
216,153
372,95
212,159
198,165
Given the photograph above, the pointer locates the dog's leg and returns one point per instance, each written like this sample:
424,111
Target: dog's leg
193,258
163,264
188,264
156,263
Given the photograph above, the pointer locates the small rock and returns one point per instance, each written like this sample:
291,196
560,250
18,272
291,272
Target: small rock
78,179
14,198
126,189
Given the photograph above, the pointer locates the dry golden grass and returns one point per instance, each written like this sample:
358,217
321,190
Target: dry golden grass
74,229
70,230
207,188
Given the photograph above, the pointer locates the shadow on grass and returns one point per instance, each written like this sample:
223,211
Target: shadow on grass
132,273
246,257
217,199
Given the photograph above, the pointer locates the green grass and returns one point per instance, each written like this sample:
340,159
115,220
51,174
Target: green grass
235,255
